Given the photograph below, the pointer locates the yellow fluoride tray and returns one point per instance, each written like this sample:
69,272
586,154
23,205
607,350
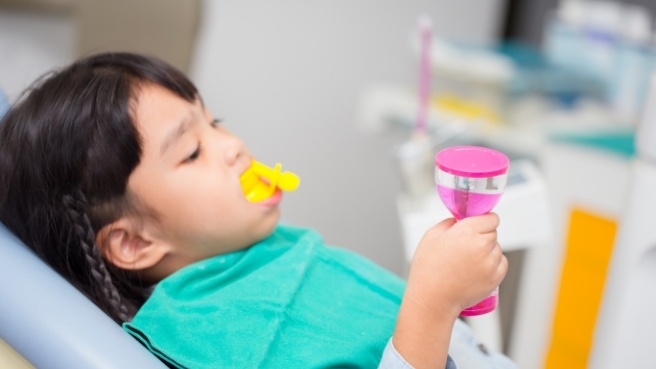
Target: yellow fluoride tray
259,181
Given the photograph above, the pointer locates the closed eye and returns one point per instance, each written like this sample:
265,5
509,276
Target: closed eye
215,122
193,155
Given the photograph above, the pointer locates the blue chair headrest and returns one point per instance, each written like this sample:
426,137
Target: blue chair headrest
4,104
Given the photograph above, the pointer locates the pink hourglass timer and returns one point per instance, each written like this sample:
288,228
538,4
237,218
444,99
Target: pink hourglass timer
470,181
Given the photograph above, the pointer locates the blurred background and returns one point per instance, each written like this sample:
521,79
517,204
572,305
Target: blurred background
330,90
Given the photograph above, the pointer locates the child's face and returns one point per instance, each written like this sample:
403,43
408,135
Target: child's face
189,176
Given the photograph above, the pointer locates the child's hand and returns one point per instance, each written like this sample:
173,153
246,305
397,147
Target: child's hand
457,264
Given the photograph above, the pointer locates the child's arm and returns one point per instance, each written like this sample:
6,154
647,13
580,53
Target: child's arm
455,266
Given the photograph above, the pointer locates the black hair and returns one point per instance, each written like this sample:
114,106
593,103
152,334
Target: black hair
67,149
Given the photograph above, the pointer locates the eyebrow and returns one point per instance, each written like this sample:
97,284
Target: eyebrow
174,135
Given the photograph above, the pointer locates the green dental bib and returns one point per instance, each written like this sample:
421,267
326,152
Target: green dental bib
286,302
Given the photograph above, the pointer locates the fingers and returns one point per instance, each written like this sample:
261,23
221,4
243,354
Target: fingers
501,263
489,242
503,267
486,223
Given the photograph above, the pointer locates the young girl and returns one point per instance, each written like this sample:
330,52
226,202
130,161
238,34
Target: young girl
116,175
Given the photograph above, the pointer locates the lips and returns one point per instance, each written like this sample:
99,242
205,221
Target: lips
272,200
256,188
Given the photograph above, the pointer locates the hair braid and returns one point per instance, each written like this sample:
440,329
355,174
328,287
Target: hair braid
76,208
74,133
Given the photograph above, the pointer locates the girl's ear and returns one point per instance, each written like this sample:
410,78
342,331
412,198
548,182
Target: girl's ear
127,247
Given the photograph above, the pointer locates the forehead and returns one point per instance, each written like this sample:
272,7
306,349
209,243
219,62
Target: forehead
157,105
158,110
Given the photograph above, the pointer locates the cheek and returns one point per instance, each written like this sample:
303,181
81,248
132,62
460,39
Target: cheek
206,200
196,196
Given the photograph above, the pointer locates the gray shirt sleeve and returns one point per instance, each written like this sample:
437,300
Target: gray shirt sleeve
393,360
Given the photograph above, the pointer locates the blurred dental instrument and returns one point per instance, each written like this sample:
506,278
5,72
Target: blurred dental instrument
425,32
415,155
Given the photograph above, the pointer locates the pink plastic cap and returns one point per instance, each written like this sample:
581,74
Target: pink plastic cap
472,161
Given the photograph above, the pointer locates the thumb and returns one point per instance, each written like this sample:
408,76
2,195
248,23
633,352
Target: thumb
444,225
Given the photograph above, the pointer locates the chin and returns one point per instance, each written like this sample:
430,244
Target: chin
267,226
272,224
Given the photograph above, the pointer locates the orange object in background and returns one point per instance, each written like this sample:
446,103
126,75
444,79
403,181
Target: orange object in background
589,245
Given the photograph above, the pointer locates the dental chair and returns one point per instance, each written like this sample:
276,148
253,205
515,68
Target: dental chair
51,324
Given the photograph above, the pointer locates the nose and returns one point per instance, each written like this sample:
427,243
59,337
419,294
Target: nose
234,148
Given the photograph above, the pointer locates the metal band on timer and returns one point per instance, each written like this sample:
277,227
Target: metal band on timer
488,185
